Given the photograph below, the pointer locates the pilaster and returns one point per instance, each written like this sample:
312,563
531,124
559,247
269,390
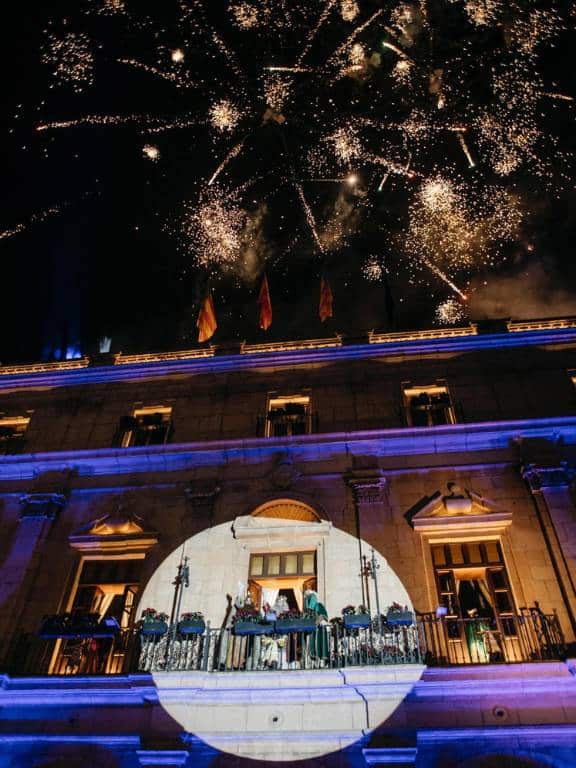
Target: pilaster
38,512
550,487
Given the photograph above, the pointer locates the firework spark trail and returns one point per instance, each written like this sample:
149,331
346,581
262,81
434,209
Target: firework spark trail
354,35
558,96
383,182
400,170
36,218
171,125
230,57
289,69
443,276
396,49
147,123
323,16
89,120
234,152
465,149
180,80
309,217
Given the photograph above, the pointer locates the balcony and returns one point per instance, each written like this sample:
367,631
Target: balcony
529,636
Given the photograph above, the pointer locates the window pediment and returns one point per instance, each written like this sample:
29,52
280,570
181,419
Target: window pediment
459,509
118,531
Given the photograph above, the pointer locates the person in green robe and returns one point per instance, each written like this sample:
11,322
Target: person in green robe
319,645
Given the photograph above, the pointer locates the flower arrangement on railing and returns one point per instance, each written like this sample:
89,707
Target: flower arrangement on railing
191,623
247,613
192,616
248,621
356,618
153,622
78,625
398,615
296,621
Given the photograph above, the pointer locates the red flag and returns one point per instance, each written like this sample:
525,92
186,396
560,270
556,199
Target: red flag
265,305
326,299
206,322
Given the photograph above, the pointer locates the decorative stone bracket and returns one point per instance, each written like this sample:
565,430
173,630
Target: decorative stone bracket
201,496
540,478
41,505
369,487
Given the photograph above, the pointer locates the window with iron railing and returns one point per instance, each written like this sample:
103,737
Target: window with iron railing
12,434
150,425
428,406
472,583
287,415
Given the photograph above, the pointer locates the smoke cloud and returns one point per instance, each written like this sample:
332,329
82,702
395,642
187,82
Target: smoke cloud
533,294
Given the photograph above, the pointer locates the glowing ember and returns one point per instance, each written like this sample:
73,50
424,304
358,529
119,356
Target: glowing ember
151,152
224,116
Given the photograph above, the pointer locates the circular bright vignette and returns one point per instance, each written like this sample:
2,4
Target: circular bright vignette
284,713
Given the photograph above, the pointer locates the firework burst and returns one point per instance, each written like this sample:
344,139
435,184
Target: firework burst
276,94
450,312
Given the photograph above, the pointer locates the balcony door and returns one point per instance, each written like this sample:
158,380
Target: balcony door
108,588
474,591
281,578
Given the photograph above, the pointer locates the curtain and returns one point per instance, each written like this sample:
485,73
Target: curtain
299,598
269,595
483,586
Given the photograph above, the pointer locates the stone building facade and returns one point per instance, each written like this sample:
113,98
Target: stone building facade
433,470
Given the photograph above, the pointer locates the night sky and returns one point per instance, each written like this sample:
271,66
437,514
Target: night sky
109,263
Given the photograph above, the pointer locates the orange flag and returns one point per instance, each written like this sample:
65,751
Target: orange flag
325,299
265,305
206,322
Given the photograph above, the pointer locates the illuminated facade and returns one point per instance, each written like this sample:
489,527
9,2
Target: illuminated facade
426,476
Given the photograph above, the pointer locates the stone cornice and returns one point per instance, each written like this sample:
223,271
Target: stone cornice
382,443
385,346
552,678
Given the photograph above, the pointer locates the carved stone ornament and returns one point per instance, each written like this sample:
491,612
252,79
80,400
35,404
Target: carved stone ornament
119,531
284,474
458,509
202,495
43,505
540,478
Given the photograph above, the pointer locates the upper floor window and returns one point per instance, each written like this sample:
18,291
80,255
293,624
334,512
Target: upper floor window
288,415
150,425
428,406
12,431
472,582
283,564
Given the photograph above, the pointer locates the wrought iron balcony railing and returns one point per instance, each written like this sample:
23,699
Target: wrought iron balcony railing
529,636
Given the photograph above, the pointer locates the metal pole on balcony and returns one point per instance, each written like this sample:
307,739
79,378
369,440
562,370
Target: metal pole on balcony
364,575
181,580
375,568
